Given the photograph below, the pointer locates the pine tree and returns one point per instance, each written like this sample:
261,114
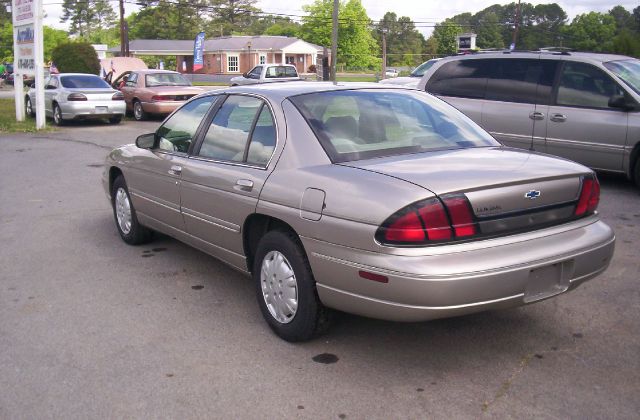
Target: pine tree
86,15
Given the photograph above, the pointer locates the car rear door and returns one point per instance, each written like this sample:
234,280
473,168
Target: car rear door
581,125
223,179
154,181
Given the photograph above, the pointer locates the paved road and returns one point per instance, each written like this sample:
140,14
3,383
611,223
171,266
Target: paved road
93,328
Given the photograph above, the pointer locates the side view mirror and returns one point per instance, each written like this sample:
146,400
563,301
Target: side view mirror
146,141
621,102
245,75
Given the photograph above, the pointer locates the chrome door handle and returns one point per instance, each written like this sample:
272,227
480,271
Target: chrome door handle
536,116
558,117
175,170
244,185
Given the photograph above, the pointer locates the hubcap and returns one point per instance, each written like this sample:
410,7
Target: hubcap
123,211
28,106
56,115
279,287
137,110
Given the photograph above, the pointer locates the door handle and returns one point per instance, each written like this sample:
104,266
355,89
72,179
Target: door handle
536,116
244,185
558,117
175,170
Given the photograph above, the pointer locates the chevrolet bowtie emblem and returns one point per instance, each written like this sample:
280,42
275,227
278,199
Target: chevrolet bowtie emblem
533,194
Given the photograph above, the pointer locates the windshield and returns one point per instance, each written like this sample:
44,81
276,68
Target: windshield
88,81
628,71
422,68
166,79
362,124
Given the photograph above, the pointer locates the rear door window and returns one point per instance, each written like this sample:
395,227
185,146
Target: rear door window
520,80
460,78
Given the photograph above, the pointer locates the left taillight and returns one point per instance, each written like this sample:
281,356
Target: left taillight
430,221
76,97
118,96
589,196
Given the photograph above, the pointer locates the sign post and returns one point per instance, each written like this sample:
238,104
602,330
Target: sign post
28,55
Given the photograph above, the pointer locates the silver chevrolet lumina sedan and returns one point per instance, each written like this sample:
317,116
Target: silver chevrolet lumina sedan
378,201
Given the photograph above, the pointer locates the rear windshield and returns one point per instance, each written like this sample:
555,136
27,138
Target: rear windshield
281,71
628,71
166,79
362,124
83,82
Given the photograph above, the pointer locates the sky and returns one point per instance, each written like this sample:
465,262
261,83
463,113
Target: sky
419,11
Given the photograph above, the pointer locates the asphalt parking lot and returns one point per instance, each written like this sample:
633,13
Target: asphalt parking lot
93,328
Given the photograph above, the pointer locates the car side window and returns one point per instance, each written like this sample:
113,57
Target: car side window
255,73
53,82
176,134
227,137
460,78
584,85
263,139
131,80
520,80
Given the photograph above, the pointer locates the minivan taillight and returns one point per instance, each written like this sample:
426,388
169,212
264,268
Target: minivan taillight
429,221
589,196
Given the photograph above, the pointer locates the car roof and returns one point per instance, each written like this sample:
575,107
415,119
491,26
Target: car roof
579,56
76,74
147,71
283,90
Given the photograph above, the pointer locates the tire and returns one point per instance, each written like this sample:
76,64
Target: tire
115,120
57,115
28,107
636,172
138,111
130,230
280,257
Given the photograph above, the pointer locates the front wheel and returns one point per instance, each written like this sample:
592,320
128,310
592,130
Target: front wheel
130,230
138,111
286,289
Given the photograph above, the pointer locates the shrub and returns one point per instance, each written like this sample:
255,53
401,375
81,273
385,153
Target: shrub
76,57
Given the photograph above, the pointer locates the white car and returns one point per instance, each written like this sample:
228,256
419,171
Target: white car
267,73
414,77
391,73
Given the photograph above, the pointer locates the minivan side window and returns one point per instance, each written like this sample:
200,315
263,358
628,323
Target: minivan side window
460,78
520,80
584,85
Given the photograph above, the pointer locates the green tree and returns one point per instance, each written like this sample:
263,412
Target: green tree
51,39
624,20
591,31
85,16
76,57
445,36
6,41
405,45
356,46
167,19
488,31
234,16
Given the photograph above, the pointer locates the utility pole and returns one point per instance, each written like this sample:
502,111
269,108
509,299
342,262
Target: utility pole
334,40
384,52
517,22
123,48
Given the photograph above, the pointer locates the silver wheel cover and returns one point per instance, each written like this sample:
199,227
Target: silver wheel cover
57,117
123,211
279,287
137,110
29,109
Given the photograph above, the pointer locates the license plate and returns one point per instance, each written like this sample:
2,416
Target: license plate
547,281
102,109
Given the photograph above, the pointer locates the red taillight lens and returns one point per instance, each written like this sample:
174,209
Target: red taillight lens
461,218
76,97
589,197
426,221
118,96
163,98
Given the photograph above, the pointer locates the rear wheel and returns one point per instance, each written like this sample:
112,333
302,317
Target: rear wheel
286,289
138,111
636,172
28,107
57,115
130,230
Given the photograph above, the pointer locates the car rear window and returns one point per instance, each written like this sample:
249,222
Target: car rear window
83,82
362,124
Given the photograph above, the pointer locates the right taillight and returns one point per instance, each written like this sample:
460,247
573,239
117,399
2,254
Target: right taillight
589,196
429,221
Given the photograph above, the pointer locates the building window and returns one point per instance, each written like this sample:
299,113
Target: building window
232,64
263,59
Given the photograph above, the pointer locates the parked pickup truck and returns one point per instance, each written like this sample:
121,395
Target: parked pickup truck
267,73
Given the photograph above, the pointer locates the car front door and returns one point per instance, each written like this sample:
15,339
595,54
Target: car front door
581,125
52,87
154,181
223,179
128,90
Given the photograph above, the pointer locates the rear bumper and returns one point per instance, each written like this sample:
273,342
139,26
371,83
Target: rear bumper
164,107
460,279
92,109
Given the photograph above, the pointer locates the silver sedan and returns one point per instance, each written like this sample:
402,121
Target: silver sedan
70,96
379,201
